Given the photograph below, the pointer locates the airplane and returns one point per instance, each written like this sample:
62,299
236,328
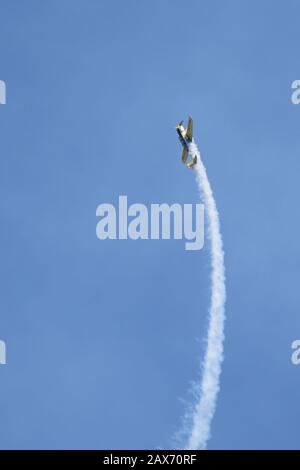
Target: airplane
186,137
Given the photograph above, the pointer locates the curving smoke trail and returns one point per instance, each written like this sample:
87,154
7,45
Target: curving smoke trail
208,388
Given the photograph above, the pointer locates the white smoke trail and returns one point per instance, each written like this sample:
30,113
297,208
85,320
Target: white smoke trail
208,388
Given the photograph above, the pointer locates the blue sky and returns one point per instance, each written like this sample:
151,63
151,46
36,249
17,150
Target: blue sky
105,337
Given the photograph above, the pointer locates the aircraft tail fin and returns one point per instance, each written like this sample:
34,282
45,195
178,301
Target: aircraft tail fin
192,163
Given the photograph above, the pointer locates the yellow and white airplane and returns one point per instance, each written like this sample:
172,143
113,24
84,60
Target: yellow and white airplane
186,137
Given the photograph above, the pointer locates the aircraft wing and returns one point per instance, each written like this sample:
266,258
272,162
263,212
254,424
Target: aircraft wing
185,155
189,131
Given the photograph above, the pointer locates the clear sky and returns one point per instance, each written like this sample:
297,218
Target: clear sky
104,338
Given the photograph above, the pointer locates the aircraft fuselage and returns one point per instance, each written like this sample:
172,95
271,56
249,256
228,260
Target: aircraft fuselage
186,138
183,140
